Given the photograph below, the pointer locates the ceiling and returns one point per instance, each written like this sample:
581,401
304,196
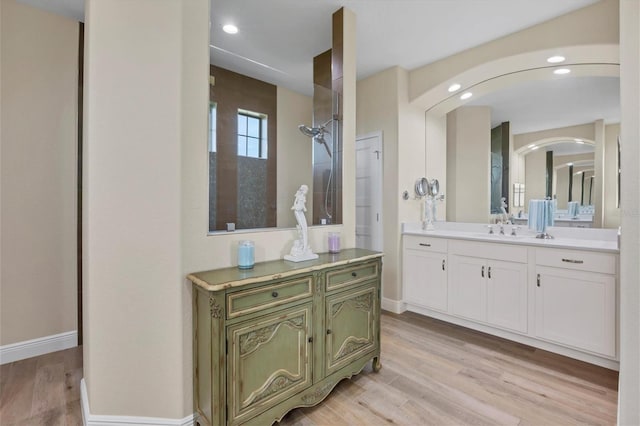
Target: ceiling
277,40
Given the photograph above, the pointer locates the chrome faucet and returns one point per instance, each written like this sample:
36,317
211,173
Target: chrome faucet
513,230
501,229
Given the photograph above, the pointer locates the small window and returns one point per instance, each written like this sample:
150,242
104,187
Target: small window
212,126
252,134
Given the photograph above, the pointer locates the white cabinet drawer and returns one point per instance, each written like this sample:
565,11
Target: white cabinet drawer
494,251
415,242
604,263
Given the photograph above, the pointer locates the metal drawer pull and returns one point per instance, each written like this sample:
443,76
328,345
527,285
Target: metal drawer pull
482,272
443,264
489,271
274,294
425,245
572,261
354,274
538,280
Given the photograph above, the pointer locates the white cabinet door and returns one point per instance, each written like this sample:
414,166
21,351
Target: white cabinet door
507,295
577,309
467,281
425,279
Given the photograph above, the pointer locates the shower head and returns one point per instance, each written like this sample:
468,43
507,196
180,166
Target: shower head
316,133
312,132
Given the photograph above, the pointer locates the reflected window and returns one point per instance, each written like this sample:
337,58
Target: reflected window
252,134
212,126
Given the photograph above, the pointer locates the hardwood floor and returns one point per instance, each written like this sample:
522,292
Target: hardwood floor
433,373
43,390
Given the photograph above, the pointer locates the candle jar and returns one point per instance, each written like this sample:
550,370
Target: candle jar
334,242
246,257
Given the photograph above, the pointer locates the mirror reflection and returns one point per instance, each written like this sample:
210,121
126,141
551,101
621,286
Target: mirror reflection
265,140
554,139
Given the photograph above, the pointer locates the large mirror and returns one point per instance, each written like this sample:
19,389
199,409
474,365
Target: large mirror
274,124
560,142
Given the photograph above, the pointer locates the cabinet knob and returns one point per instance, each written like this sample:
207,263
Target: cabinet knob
310,339
482,272
489,272
328,331
443,264
538,280
354,274
274,294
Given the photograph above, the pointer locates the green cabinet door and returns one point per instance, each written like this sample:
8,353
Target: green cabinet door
351,318
269,360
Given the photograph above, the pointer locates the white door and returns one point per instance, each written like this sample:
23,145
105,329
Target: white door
507,295
468,284
369,191
576,308
424,279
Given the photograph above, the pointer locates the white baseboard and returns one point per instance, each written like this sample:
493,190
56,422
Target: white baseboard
39,346
89,419
395,306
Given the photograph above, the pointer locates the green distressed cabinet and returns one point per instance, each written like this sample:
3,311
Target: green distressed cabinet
282,335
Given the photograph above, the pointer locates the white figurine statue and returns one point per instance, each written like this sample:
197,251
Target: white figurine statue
301,250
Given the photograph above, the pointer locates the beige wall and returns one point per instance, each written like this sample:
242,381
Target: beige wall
582,131
469,164
39,110
475,63
629,385
294,154
134,132
535,176
377,110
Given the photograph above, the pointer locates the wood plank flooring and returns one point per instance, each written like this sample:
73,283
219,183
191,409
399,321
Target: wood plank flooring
43,390
433,373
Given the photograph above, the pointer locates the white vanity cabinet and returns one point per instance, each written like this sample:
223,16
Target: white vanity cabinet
424,272
483,288
544,293
575,302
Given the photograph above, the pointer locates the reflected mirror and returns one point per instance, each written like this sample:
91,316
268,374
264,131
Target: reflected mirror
269,131
558,130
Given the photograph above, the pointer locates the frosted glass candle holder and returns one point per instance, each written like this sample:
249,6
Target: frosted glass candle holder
334,242
246,256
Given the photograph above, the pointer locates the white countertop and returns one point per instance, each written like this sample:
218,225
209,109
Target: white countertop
593,239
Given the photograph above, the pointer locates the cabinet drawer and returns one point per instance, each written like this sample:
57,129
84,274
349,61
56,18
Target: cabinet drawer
415,242
351,275
260,298
494,251
604,263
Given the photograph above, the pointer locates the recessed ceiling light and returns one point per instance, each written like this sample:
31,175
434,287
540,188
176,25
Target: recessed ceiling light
555,59
466,95
230,29
561,71
454,87
580,141
534,148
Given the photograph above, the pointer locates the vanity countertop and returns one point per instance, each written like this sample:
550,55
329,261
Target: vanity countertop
601,240
223,278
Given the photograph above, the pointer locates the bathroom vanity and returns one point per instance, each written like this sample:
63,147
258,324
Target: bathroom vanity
558,294
282,334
